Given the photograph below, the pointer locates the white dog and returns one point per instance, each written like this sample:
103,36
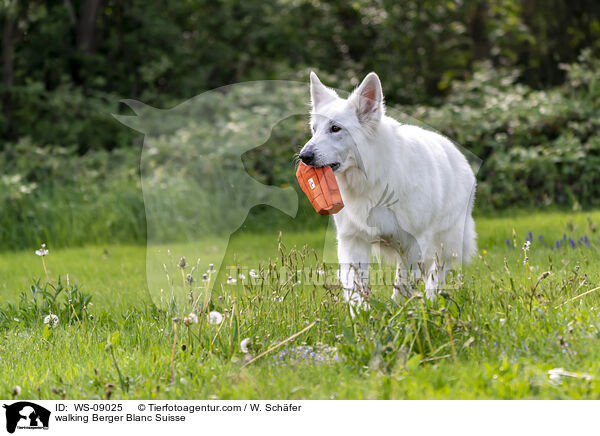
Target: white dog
406,188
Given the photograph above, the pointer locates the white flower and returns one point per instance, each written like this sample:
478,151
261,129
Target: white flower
211,267
205,277
231,281
192,318
215,317
242,277
244,345
51,321
16,391
253,274
526,245
42,251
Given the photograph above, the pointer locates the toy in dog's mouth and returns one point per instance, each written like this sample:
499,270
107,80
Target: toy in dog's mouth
321,188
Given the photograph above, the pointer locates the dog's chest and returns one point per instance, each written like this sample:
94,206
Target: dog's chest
370,221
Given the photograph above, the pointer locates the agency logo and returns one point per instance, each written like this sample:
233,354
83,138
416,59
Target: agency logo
26,415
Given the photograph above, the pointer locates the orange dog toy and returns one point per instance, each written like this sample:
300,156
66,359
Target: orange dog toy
321,188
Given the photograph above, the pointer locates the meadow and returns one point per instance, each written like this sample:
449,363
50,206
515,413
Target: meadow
519,322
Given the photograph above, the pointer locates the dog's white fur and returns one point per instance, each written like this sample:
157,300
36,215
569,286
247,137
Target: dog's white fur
410,186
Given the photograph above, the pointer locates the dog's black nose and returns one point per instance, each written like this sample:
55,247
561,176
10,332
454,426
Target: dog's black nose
307,157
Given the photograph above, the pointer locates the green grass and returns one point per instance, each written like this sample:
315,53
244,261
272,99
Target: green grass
494,333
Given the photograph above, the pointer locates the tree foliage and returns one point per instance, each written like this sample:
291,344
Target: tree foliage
66,63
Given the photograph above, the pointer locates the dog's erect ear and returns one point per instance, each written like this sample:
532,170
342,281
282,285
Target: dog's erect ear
368,99
319,93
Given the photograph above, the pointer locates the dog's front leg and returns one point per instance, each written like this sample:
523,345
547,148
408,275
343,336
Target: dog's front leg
354,255
402,287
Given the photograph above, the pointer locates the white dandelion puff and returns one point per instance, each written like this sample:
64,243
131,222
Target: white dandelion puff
51,321
43,251
215,317
244,345
231,281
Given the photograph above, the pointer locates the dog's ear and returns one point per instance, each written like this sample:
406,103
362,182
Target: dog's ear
319,93
368,99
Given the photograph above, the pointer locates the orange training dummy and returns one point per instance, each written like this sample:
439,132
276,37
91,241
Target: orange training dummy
321,188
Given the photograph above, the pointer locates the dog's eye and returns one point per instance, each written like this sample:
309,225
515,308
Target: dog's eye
335,128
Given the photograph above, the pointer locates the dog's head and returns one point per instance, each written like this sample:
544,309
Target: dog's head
340,127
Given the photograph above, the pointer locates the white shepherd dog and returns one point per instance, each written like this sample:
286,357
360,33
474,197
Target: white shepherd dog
407,190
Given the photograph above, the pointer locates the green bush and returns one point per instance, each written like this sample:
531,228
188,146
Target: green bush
540,148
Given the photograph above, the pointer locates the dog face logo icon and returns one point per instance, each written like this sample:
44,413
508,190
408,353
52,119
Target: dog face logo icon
311,183
26,415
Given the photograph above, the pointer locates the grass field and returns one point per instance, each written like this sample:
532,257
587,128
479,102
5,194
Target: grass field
516,324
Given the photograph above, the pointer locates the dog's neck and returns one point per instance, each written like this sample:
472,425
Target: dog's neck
355,181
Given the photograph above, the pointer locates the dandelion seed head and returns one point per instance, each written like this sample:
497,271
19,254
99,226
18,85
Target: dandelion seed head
43,251
215,317
51,320
192,318
244,345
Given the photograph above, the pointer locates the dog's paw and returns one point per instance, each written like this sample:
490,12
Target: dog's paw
431,292
356,301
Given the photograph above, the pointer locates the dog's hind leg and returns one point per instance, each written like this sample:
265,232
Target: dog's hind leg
402,287
434,280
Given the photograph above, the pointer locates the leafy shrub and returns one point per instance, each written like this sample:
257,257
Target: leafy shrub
540,148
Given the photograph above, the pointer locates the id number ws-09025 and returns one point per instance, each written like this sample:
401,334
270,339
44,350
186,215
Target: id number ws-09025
98,407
